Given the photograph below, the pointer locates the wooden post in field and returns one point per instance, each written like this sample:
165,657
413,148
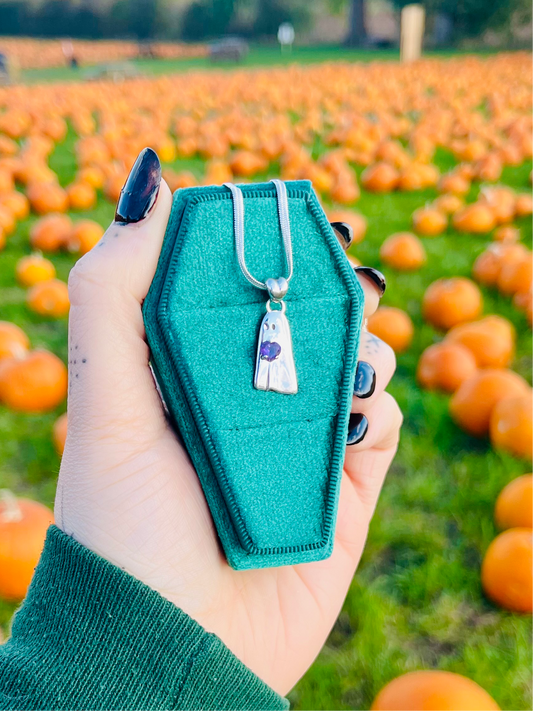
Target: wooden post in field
411,32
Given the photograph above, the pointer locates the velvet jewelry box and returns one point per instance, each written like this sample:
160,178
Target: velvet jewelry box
270,463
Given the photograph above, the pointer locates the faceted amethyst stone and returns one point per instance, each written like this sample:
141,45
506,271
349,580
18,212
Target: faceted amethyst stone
269,350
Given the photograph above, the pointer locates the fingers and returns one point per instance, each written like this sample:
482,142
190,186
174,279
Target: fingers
373,448
375,368
365,468
372,280
125,259
374,285
384,420
110,385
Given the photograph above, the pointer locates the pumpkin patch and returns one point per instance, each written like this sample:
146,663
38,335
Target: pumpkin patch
473,403
429,163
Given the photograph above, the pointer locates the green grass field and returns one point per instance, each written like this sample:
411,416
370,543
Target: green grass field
416,600
258,56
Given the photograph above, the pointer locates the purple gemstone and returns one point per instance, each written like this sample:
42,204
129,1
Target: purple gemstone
269,350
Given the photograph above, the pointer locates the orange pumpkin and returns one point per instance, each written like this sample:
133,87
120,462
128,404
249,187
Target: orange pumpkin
17,203
506,573
515,277
14,343
8,147
501,200
472,404
522,300
34,383
433,690
113,186
6,182
448,302
217,173
454,183
393,326
166,150
514,505
49,298
429,221
511,426
23,526
471,150
489,168
412,177
84,235
489,264
81,196
50,233
345,192
34,268
507,233
92,175
476,218
380,178
403,251
445,366
523,205
47,197
491,340
356,221
448,203
59,434
247,163
8,222
486,268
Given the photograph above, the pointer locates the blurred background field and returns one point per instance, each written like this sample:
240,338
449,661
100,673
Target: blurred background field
328,113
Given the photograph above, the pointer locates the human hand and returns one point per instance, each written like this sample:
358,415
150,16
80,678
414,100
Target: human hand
128,491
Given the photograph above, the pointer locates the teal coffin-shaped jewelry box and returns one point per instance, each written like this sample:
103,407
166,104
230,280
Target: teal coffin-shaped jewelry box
270,463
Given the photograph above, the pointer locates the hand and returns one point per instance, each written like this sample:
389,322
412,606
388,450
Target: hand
128,491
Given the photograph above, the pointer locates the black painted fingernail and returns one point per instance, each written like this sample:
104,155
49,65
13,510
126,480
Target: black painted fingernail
376,276
141,188
365,380
357,428
343,232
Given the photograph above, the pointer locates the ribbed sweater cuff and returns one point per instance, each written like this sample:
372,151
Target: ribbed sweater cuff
90,636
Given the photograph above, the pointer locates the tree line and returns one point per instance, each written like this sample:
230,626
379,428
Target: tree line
465,18
145,19
205,19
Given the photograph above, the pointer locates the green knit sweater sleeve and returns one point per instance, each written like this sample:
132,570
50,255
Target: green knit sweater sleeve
90,636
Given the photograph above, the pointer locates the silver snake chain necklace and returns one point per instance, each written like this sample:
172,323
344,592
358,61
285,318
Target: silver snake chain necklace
274,366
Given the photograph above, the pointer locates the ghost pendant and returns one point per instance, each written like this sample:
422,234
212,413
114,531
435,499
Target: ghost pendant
274,368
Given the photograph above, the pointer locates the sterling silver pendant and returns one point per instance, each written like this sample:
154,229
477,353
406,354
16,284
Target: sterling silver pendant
274,363
274,367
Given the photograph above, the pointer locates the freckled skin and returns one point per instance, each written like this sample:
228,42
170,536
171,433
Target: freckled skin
372,345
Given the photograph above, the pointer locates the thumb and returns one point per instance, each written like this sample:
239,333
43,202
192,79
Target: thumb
111,391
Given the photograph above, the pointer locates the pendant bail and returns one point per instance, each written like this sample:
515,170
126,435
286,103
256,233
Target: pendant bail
277,288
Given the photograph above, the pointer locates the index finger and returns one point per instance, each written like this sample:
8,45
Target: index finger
372,280
374,285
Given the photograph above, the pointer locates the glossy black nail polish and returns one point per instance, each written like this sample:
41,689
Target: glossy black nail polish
357,428
140,190
365,380
376,276
343,232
